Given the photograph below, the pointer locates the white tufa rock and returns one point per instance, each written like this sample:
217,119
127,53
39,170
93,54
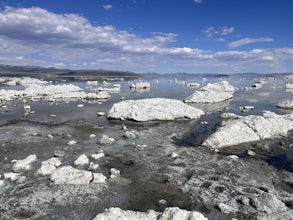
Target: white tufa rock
129,135
81,160
103,95
153,109
105,140
140,85
98,155
92,136
80,105
93,166
99,114
216,92
225,208
70,175
173,213
249,129
48,167
114,173
72,142
24,164
285,105
99,178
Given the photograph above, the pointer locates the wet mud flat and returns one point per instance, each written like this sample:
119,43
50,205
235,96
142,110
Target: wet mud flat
163,164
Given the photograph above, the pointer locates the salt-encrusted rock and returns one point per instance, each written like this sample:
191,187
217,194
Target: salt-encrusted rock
70,175
106,140
227,115
81,160
225,208
24,164
48,167
11,176
71,142
210,93
193,84
246,108
289,86
153,109
176,213
285,105
103,95
99,114
93,166
92,136
99,178
233,157
92,83
140,85
173,213
114,173
269,203
250,128
129,135
98,155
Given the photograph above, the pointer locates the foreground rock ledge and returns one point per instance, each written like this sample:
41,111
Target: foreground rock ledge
153,109
249,129
211,93
173,213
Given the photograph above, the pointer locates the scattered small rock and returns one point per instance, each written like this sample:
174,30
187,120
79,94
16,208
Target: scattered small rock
105,140
72,142
225,208
81,160
24,164
251,153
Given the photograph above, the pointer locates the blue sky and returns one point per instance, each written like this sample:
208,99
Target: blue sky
164,36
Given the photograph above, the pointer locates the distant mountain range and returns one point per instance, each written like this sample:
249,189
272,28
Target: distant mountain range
55,73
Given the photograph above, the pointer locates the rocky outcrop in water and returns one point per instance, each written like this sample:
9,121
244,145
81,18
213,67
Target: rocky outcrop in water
173,213
216,92
153,109
249,129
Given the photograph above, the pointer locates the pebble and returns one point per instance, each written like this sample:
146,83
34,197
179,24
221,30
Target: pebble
174,155
50,136
99,114
72,142
92,136
251,153
59,153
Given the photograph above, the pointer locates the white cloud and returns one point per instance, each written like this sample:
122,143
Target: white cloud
245,41
198,1
44,38
107,7
218,31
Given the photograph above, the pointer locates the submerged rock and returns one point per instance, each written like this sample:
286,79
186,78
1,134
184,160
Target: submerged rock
153,109
24,164
173,213
249,129
216,92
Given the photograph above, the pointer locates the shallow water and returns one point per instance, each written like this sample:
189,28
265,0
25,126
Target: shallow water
149,172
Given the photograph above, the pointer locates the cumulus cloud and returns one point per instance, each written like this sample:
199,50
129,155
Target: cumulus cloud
246,41
35,36
107,7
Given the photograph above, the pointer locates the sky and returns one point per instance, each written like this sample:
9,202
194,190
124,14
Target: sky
163,36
